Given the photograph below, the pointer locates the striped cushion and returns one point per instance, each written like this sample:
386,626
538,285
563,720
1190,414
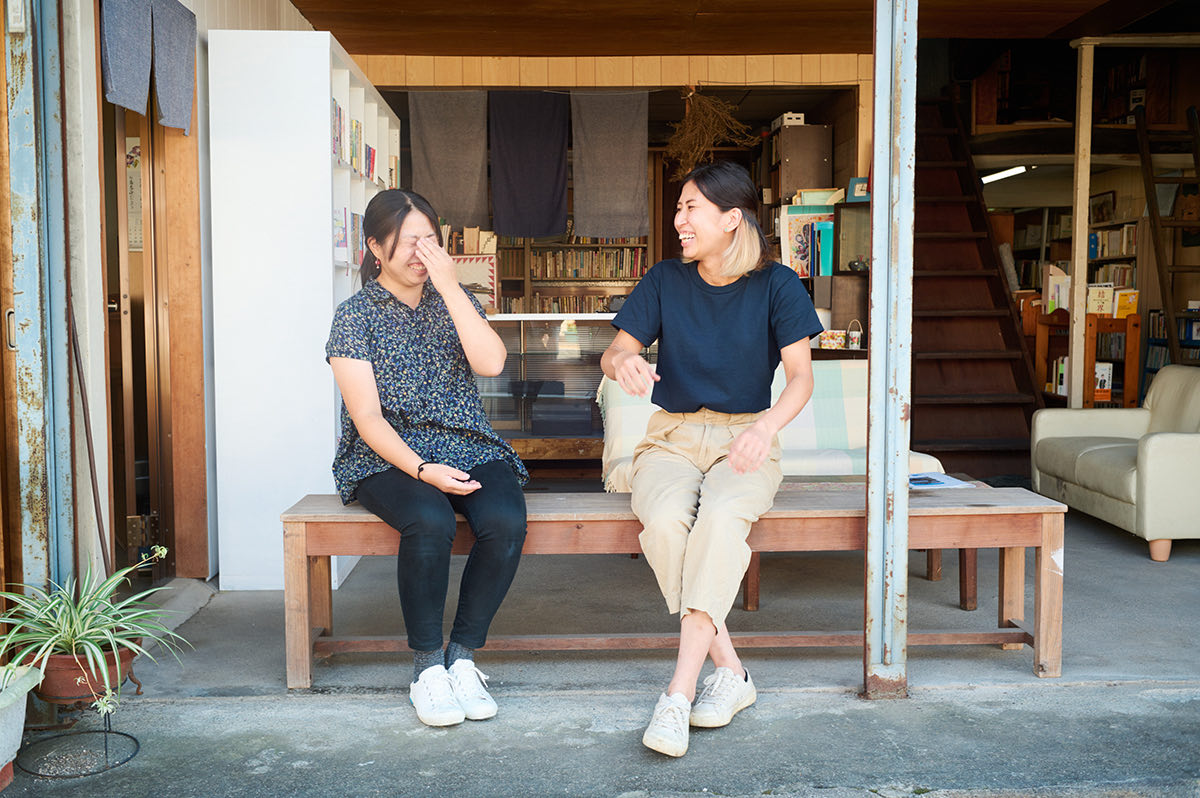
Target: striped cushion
828,437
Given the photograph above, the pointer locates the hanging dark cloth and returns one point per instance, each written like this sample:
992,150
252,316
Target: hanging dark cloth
528,136
174,62
609,136
134,33
125,52
449,154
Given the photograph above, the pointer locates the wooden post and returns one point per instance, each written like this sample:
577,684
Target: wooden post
297,605
1079,223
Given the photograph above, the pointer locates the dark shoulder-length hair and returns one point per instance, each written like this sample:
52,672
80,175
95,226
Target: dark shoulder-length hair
385,214
728,185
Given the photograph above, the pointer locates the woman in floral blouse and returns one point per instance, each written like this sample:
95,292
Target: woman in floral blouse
416,446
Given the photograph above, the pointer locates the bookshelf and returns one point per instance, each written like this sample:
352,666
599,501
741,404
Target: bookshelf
1113,252
1157,352
1040,236
571,275
291,118
1107,340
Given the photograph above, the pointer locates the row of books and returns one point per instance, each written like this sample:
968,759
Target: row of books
806,239
1189,329
353,150
595,264
542,303
347,236
1105,299
1119,274
1102,386
1109,243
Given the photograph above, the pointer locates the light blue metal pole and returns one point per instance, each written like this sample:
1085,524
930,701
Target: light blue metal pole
885,652
38,331
54,280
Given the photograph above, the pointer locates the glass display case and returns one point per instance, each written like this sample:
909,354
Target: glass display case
548,387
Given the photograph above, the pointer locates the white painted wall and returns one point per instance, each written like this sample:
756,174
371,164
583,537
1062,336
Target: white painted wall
85,206
214,15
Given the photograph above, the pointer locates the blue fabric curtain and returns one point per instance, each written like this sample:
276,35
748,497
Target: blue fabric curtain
528,136
135,33
125,52
174,62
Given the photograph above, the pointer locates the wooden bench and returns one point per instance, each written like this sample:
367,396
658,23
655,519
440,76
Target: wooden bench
1009,519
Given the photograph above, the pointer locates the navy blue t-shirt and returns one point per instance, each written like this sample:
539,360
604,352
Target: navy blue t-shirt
718,346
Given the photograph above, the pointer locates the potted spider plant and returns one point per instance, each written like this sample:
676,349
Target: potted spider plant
82,637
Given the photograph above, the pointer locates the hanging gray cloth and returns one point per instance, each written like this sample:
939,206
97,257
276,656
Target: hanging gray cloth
174,62
125,52
527,131
609,140
448,130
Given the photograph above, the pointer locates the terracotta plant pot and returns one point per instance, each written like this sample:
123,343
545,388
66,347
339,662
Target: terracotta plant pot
69,679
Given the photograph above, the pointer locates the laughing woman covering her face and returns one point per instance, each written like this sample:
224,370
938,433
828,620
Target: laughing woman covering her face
724,316
416,446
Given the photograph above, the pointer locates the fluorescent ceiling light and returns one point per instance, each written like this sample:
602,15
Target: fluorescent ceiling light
1016,170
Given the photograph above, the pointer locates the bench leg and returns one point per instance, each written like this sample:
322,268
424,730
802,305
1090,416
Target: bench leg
750,584
1012,591
968,578
1047,598
933,564
297,606
320,594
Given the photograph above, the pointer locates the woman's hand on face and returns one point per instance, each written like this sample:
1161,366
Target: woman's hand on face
448,479
750,449
634,374
438,262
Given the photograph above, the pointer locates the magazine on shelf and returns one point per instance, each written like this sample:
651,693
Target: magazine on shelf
935,479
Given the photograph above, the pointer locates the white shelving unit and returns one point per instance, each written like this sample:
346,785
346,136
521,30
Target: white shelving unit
277,184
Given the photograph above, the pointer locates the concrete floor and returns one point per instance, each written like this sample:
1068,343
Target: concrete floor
1123,720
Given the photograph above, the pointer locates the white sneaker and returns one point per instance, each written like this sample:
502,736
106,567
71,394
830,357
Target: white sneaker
725,694
668,729
433,696
470,685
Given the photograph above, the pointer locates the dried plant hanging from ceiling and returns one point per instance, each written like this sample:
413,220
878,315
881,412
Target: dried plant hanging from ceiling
707,122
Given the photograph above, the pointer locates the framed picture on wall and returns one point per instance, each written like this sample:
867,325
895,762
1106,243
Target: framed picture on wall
1102,207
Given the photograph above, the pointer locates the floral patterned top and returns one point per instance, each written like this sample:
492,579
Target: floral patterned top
426,387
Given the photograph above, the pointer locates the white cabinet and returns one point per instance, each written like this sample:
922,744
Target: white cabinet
282,172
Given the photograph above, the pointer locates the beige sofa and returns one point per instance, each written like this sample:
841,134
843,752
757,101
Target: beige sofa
1134,467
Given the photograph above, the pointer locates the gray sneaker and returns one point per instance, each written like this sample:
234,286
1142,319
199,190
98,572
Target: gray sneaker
668,729
433,696
725,694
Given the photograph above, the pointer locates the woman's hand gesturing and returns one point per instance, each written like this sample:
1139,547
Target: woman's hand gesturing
448,479
438,263
750,449
634,374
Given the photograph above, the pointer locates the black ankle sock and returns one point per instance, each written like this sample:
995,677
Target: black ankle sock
425,659
456,651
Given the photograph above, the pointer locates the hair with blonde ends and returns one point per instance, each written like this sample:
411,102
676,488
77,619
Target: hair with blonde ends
728,185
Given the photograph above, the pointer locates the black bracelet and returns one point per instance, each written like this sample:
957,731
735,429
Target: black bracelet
419,468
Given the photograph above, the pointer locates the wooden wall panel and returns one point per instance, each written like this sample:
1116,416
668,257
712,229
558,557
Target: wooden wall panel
675,70
614,71
496,72
534,72
181,264
585,71
727,69
698,69
418,70
647,70
760,69
447,70
472,70
561,71
839,68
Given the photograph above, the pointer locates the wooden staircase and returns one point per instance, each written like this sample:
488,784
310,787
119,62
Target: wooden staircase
973,388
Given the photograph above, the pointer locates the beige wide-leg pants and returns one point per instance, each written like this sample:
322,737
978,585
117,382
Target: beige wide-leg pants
695,510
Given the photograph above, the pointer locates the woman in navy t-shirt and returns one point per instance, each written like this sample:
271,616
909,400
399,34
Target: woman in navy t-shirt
724,316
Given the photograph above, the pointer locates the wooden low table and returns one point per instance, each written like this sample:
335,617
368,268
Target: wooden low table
1010,519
